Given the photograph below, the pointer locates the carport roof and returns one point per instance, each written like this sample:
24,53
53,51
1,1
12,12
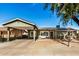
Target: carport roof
18,19
21,20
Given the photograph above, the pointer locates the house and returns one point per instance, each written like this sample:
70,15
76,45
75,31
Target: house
18,28
54,33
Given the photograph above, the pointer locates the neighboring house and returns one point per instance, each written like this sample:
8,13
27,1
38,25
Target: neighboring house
19,28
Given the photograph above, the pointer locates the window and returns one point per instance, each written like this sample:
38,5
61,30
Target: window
44,33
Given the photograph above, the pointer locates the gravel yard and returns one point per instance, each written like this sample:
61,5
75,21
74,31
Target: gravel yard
41,47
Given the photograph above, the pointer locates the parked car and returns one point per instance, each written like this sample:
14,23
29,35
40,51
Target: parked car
43,37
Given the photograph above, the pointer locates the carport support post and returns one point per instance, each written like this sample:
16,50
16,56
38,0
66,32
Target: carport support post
34,35
21,34
53,35
8,33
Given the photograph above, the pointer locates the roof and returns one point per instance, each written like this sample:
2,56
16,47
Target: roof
19,19
47,28
54,28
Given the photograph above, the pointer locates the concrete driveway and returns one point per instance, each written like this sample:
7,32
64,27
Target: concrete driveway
41,47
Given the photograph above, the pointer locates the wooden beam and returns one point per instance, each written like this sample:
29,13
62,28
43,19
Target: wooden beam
54,34
1,34
34,35
21,34
8,38
8,34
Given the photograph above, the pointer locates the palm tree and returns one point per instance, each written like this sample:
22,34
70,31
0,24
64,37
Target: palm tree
66,11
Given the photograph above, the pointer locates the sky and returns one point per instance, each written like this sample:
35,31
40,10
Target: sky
32,12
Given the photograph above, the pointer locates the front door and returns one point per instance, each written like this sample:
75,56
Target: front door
51,35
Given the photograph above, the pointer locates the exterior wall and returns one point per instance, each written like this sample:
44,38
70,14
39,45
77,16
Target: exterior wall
53,34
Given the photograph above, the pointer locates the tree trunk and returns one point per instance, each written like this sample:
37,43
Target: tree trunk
75,19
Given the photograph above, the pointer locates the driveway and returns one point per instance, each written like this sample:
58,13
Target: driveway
41,47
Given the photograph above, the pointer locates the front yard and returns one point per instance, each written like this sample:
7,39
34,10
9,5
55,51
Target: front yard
41,47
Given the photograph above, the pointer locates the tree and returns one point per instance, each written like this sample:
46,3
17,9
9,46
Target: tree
65,11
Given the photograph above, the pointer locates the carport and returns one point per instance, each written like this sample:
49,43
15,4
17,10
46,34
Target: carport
17,27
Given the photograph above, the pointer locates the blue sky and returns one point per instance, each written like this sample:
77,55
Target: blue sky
31,12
